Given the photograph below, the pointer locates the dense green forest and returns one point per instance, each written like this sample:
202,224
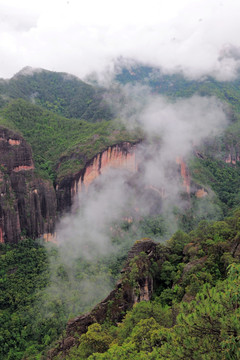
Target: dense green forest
61,93
54,137
194,313
178,86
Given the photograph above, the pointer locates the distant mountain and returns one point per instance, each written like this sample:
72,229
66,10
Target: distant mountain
177,85
59,92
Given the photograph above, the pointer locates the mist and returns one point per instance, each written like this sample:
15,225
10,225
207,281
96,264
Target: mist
92,237
198,38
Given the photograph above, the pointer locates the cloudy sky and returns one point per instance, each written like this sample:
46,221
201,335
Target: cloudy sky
81,36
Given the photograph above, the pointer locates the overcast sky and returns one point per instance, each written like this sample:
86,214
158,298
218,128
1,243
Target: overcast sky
82,36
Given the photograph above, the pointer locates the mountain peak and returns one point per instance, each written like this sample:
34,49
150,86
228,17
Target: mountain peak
28,70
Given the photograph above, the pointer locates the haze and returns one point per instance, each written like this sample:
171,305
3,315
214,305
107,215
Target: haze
79,37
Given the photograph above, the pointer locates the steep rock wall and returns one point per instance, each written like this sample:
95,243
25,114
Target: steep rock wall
117,156
27,203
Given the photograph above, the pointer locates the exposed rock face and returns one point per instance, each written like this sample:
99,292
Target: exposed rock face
200,193
30,205
117,156
184,173
27,203
128,291
232,154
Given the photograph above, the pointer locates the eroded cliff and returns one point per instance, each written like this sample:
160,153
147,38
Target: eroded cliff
27,203
117,156
30,206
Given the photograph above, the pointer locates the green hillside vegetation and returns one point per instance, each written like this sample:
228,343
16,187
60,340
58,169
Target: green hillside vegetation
210,170
195,310
52,137
61,93
176,85
194,313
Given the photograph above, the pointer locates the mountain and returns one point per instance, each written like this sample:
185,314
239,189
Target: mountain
168,294
61,93
62,148
178,86
172,299
216,162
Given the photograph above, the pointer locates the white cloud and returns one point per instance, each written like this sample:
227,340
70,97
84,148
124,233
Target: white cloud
79,36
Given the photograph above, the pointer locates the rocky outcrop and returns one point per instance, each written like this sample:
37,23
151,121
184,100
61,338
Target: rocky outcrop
232,154
117,156
27,203
132,288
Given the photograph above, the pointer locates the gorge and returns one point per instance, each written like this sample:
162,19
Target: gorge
30,205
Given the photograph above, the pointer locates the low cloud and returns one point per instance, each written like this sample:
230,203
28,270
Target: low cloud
172,131
82,37
92,231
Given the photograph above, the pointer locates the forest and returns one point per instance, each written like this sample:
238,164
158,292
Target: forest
194,311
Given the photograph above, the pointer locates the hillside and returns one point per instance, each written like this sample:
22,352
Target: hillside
177,85
54,137
57,136
192,282
194,311
61,93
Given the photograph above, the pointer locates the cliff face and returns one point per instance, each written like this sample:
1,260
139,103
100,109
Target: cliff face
117,156
232,154
27,203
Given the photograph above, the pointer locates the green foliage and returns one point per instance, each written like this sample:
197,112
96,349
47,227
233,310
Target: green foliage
61,146
223,178
206,328
178,241
95,340
142,311
177,86
153,226
24,271
61,93
195,311
192,266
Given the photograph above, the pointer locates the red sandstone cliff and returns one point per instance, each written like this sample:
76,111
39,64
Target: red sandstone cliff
116,156
27,203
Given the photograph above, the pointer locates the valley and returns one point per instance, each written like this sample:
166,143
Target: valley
137,206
